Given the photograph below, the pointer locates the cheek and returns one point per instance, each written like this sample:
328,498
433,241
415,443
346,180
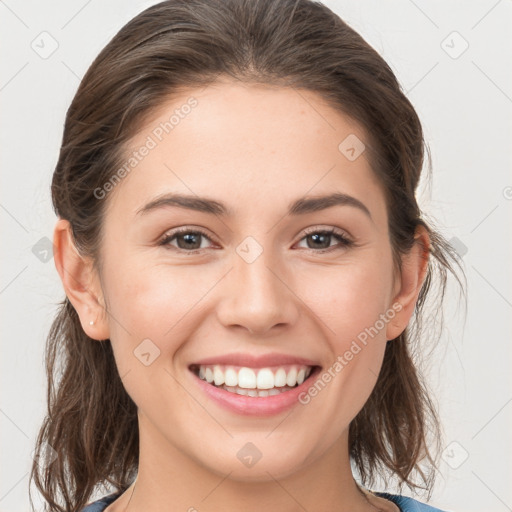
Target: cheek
155,301
149,298
352,306
150,317
348,299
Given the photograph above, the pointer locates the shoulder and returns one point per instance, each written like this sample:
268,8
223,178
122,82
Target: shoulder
408,504
101,504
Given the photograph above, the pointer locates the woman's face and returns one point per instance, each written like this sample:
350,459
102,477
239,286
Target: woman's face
262,281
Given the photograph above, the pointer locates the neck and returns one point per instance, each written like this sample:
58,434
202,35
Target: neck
171,480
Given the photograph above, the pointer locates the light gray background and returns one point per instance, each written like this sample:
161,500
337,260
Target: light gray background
465,103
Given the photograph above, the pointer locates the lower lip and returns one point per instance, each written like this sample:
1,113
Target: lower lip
254,405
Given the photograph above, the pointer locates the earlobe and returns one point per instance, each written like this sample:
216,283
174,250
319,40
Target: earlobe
414,271
80,282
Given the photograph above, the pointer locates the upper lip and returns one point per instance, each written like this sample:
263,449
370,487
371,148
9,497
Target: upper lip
253,361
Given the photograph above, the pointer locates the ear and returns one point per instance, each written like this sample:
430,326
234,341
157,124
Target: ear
81,282
408,284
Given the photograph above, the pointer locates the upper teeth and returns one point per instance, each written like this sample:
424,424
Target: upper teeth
261,378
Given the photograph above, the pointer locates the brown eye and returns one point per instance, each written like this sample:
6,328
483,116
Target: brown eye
187,240
320,241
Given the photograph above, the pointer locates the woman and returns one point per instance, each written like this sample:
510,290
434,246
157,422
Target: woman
242,255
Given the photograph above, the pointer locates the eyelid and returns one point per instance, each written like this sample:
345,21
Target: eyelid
168,235
345,241
330,229
171,234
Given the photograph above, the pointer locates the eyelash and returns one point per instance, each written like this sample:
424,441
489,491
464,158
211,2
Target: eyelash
344,241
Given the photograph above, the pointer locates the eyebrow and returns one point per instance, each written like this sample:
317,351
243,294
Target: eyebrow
301,206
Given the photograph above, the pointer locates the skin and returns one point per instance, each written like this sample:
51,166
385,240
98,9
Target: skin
257,149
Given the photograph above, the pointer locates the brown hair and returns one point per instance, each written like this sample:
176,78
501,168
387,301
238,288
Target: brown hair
91,425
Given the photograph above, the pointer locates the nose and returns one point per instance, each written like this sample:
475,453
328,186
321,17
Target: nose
258,296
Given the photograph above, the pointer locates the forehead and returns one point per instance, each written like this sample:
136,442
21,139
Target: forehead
248,145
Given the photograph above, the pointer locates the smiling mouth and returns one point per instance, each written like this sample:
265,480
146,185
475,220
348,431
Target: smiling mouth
255,382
